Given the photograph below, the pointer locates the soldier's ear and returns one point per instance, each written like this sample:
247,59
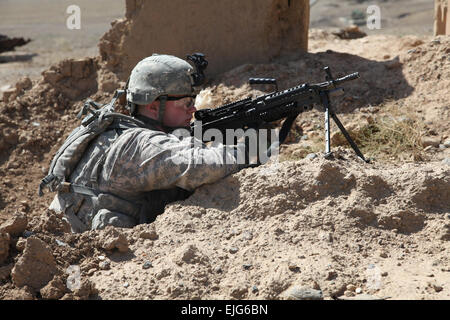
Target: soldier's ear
150,110
153,107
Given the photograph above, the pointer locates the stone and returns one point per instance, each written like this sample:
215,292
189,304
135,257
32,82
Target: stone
9,93
446,161
20,244
447,143
36,267
233,250
81,68
302,293
54,290
86,289
247,266
358,290
349,293
437,288
189,253
110,238
149,234
16,225
51,76
430,141
239,291
147,265
351,287
23,84
293,267
331,275
91,271
311,156
104,265
61,243
247,235
27,234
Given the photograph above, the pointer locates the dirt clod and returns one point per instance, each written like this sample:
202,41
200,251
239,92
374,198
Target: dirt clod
36,267
111,238
15,225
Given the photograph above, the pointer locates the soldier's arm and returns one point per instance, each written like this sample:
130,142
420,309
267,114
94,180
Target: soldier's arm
163,161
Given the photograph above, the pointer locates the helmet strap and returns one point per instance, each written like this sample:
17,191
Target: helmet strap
162,108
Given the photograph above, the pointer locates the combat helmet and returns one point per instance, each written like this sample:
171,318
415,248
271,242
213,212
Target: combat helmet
159,76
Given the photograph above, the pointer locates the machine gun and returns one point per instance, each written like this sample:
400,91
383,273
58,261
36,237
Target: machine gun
287,104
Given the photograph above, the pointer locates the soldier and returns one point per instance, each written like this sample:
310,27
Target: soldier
134,172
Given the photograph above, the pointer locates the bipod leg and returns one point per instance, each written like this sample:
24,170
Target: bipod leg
347,136
326,104
287,125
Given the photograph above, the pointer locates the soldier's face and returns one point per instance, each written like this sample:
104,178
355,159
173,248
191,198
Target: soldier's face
178,113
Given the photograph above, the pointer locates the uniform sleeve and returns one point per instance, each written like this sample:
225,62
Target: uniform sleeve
152,160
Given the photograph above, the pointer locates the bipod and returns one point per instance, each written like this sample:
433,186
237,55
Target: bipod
329,112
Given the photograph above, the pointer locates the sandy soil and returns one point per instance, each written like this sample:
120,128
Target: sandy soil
52,41
399,17
342,227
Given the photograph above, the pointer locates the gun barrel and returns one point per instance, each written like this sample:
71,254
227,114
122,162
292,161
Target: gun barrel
349,77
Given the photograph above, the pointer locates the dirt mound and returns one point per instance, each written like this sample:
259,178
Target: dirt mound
320,224
35,118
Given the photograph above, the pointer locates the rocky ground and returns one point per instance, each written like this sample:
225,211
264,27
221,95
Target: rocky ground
302,227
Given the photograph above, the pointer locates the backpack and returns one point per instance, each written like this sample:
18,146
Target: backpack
99,119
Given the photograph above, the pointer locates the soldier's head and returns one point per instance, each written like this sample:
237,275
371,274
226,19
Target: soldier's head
161,88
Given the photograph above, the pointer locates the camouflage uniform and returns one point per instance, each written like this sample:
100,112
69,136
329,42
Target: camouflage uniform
131,166
137,171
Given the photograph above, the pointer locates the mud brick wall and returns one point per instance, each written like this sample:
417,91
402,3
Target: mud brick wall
441,18
229,32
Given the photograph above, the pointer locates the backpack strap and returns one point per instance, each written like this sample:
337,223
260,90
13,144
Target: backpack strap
67,187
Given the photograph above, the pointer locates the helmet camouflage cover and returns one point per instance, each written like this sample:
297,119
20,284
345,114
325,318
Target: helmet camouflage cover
159,75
